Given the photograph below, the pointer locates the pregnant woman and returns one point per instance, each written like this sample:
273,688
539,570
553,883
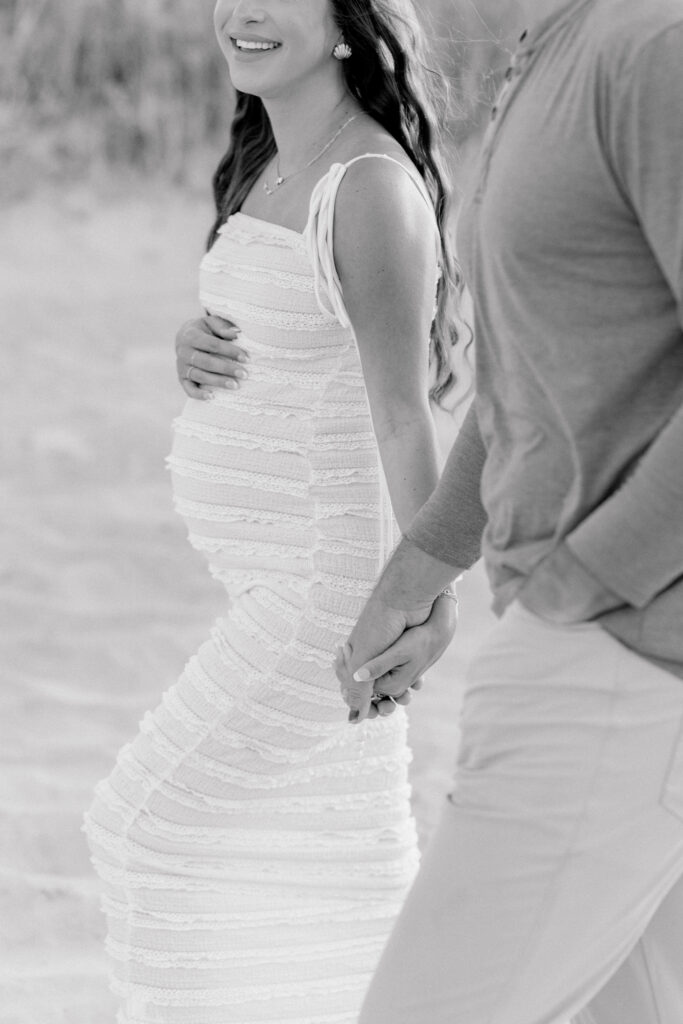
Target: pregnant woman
254,848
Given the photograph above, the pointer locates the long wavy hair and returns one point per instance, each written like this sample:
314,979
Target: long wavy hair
389,75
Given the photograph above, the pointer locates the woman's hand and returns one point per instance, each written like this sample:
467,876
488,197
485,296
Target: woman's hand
208,357
381,702
368,685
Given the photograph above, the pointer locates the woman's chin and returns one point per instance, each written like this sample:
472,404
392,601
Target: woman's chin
251,86
247,80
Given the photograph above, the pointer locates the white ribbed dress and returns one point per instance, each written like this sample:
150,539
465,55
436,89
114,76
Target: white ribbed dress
255,849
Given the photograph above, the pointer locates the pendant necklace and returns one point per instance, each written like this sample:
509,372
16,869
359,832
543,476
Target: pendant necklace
280,179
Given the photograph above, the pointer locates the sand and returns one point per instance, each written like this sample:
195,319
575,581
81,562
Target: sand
101,598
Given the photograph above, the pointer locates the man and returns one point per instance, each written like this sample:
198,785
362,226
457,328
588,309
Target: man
554,884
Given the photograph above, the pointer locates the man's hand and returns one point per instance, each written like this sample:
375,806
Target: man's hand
383,703
402,599
398,666
378,628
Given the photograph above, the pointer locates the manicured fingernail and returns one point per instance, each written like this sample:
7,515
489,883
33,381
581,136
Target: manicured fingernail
363,675
354,716
231,384
244,357
240,373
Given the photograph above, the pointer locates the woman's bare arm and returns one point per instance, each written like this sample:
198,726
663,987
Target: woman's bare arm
385,250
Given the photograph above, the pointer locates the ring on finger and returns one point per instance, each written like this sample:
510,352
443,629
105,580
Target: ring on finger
378,697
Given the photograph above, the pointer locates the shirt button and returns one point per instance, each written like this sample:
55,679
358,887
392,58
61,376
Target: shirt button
494,113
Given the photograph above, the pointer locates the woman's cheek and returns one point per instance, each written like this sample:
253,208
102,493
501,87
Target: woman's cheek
221,16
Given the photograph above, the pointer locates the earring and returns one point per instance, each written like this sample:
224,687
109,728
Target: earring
342,51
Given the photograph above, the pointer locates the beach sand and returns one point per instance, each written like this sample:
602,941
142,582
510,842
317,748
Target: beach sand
102,599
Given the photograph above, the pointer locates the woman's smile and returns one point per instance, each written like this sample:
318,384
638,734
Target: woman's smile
251,46
302,32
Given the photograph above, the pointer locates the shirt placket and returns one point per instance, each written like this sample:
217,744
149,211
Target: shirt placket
513,76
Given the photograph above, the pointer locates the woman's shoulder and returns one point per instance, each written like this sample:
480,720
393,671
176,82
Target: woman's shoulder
370,151
381,191
370,227
383,213
375,176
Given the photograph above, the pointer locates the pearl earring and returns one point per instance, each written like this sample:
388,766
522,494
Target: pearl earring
342,51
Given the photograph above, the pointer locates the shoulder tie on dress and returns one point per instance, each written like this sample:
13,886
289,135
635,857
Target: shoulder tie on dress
319,234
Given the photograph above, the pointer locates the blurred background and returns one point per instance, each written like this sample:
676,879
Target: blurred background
99,87
113,114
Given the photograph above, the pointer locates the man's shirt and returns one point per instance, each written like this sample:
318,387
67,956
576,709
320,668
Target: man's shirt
570,463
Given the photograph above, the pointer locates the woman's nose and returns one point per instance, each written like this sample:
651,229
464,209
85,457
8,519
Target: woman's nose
238,12
248,11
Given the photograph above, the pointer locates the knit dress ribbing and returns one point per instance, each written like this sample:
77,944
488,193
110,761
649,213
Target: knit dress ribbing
254,848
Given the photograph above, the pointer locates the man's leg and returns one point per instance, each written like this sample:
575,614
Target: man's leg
554,850
649,985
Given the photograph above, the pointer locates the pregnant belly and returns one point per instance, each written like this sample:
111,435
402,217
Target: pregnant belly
241,481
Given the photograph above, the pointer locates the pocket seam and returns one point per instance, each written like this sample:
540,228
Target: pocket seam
670,801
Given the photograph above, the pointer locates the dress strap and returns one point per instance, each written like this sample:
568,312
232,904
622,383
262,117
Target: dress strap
319,233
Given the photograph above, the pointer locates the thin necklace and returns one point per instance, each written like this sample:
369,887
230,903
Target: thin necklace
280,180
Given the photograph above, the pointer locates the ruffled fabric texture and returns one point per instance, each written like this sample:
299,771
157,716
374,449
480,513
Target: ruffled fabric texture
254,849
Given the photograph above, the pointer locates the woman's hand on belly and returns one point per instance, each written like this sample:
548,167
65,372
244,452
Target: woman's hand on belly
207,356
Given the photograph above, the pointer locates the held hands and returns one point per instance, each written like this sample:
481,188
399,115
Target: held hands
381,703
207,356
374,683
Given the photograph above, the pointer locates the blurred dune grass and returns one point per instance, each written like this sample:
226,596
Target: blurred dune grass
112,86
93,84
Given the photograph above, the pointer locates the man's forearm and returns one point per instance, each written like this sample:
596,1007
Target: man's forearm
412,579
444,539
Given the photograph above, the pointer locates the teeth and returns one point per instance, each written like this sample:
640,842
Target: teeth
243,44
